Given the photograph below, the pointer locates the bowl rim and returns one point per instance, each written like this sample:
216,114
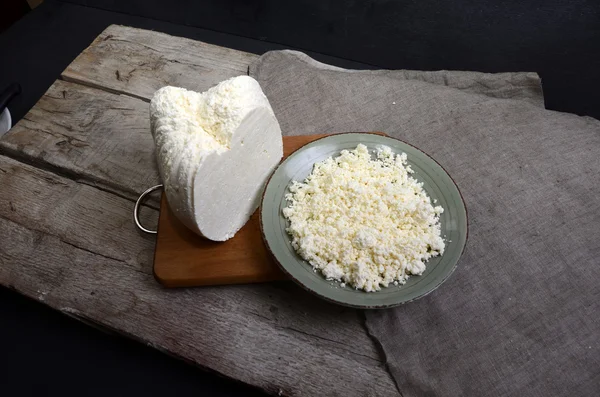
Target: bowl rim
312,291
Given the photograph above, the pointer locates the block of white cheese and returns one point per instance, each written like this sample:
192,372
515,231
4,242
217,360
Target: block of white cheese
215,151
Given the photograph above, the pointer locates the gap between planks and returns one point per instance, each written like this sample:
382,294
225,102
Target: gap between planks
63,172
286,324
378,377
100,87
88,146
137,62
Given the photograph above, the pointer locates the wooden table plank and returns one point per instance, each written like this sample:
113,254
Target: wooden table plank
100,137
138,62
77,214
75,248
73,243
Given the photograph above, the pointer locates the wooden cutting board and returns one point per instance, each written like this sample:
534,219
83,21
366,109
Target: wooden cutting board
184,259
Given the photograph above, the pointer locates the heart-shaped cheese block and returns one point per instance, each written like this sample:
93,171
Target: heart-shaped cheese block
215,151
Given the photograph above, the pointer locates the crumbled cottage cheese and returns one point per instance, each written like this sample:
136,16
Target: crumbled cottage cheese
365,222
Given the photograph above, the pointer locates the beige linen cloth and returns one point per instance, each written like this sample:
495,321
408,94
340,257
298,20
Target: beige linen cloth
521,314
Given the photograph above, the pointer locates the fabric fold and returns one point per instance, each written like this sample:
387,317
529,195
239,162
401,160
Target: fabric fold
520,314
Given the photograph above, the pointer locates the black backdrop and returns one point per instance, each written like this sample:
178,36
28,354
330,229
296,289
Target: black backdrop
44,352
560,39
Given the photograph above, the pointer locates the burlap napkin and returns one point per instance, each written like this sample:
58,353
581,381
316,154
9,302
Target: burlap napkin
521,315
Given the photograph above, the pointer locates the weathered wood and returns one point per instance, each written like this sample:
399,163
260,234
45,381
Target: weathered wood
94,135
73,245
78,214
75,248
138,62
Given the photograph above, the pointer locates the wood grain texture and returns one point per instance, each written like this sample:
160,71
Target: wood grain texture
78,160
75,248
90,134
138,62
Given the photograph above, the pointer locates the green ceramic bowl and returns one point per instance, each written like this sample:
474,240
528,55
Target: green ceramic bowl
438,185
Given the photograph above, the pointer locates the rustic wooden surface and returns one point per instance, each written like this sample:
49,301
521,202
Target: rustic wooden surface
70,171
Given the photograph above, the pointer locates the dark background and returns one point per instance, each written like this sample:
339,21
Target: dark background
44,352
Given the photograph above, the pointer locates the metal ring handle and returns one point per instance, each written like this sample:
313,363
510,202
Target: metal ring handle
136,209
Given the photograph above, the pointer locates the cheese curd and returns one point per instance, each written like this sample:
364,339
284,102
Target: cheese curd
215,151
362,221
